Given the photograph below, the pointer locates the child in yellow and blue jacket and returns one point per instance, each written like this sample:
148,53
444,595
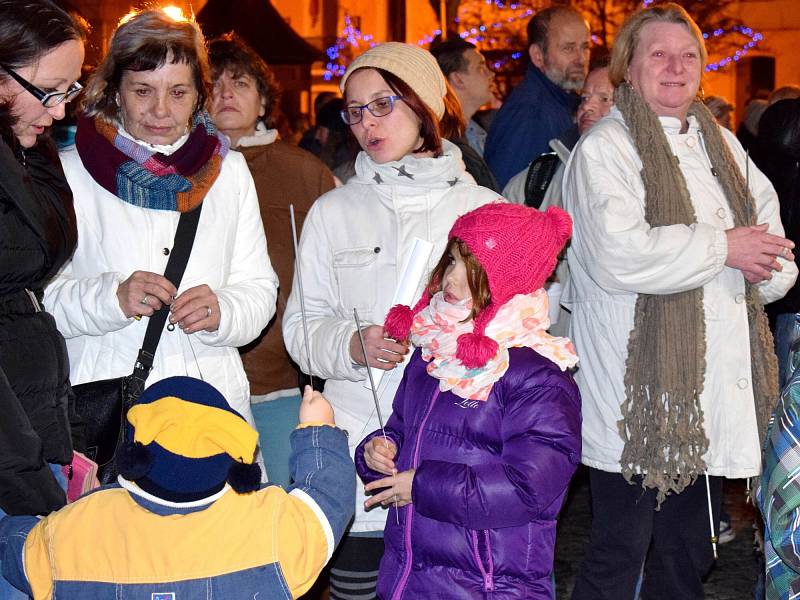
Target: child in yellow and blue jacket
188,517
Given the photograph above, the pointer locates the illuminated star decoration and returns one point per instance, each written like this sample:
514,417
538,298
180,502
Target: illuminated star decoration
353,37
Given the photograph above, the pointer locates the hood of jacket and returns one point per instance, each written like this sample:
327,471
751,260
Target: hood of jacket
412,171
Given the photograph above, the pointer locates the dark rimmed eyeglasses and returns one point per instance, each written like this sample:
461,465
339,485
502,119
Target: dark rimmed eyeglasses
48,99
380,107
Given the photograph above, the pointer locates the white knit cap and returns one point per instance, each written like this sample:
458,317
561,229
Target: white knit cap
415,66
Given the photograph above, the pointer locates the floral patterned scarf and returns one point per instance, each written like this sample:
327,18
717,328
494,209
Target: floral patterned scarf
520,322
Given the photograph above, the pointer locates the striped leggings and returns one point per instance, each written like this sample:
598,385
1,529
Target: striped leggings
354,568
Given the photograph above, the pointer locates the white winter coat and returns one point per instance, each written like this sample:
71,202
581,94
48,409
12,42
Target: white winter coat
354,242
116,238
615,254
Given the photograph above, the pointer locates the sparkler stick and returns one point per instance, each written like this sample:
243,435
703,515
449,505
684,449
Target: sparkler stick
747,184
369,374
714,538
374,397
299,275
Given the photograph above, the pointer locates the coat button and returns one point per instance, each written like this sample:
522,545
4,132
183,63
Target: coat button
741,383
739,298
165,251
721,213
690,142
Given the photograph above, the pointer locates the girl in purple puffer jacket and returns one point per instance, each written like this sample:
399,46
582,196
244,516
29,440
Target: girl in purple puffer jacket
486,429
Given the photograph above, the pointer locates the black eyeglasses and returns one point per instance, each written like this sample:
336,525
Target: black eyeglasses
48,99
380,107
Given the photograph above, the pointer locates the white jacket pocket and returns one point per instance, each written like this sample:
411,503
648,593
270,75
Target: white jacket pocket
357,276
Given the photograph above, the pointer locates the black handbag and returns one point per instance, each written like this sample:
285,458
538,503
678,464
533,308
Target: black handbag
103,405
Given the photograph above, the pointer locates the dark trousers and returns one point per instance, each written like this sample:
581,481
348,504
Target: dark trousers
354,568
673,543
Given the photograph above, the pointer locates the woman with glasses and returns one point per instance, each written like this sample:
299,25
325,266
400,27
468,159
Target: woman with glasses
41,52
146,152
409,183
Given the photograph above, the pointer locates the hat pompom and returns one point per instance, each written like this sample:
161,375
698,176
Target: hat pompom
474,349
562,222
134,461
398,322
244,478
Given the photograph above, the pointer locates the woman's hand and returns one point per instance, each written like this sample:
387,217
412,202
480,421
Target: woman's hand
315,408
754,251
383,353
398,490
379,455
143,293
196,309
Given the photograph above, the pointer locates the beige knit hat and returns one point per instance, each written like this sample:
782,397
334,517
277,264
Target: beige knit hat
415,66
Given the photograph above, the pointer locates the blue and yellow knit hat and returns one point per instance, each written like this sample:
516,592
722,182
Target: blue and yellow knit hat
184,442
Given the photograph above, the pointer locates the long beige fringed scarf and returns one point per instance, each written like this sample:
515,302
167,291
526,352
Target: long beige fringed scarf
662,420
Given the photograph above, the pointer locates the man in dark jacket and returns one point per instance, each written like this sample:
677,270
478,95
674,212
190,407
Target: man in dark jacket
466,72
542,107
469,87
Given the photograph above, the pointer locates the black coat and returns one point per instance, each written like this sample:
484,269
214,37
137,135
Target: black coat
475,165
37,236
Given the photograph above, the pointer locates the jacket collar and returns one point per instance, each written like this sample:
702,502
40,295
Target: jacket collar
160,506
536,81
442,172
261,137
561,149
12,183
671,125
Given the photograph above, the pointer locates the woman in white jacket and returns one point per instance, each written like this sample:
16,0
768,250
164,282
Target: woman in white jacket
146,151
409,183
674,252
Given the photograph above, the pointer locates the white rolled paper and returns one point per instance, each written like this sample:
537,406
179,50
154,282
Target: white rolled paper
415,267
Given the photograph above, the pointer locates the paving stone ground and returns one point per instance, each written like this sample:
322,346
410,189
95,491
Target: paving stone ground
732,577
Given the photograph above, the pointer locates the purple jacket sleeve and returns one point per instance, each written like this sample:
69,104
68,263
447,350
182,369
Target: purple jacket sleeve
366,474
541,432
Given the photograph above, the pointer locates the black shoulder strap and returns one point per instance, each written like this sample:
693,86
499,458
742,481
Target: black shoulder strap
181,249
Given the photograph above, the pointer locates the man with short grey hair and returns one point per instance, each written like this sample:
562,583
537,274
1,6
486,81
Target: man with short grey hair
543,105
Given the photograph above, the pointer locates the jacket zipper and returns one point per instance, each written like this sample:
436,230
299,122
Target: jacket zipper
488,576
398,591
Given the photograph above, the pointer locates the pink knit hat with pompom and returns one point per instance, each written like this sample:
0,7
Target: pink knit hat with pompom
518,248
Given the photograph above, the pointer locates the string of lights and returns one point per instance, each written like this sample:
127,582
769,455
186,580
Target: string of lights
754,36
351,36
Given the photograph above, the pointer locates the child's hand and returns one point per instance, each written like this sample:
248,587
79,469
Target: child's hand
379,454
397,492
315,408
